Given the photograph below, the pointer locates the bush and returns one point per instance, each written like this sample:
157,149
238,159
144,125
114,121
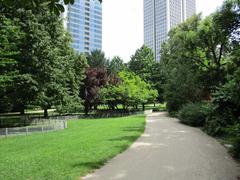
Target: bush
70,105
213,125
194,114
226,107
232,135
235,151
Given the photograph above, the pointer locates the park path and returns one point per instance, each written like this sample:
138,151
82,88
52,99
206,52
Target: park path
169,150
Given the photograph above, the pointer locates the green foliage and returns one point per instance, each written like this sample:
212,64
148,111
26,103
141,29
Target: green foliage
54,6
157,80
214,124
144,65
231,135
227,98
70,104
116,65
236,148
194,114
49,73
142,62
182,85
196,56
131,91
97,59
10,39
200,61
226,109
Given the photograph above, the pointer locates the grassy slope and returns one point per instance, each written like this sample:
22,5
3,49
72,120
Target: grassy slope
70,153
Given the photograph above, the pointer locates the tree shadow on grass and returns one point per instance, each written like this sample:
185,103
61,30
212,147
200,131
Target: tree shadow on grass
134,128
90,165
125,138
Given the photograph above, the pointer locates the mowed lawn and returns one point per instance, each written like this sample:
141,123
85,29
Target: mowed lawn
70,153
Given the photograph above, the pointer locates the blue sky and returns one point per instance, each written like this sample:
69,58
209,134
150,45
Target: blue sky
123,25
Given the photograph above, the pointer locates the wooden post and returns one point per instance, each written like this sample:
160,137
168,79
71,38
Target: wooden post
64,124
6,132
26,130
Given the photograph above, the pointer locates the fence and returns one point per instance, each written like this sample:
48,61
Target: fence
38,124
42,125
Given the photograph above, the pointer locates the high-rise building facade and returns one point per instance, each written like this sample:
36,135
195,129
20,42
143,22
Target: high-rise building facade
162,15
83,20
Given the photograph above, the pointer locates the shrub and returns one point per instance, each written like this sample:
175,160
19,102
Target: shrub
226,107
194,114
213,125
70,105
235,151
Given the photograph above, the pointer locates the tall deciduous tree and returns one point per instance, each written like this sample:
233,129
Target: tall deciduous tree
205,46
141,62
10,38
129,91
46,62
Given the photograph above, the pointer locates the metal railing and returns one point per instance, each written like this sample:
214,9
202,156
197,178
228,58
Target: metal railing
42,125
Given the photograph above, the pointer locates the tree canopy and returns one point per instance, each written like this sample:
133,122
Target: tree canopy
130,91
55,6
40,62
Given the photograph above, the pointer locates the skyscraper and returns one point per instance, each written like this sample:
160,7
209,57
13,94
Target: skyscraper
162,15
83,20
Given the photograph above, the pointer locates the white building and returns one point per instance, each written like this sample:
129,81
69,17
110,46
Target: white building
160,16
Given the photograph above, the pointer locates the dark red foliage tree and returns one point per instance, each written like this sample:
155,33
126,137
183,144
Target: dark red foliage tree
95,79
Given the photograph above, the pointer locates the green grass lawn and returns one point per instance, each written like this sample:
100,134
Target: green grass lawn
70,153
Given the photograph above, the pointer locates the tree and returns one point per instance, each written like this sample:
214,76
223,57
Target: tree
141,63
116,65
46,63
144,65
55,6
158,80
11,37
129,91
196,57
95,79
96,59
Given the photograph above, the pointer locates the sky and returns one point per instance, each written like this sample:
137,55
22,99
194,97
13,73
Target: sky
123,25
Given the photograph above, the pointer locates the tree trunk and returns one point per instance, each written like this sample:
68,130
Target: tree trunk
143,107
45,113
21,109
86,108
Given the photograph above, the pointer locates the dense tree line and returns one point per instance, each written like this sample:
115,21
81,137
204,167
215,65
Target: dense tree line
39,67
200,63
37,63
112,82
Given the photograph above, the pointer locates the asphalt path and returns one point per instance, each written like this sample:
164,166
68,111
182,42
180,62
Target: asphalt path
169,150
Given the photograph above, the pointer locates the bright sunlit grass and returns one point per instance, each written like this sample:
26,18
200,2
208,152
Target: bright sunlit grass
70,153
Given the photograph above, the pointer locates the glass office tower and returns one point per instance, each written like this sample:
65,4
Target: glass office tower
83,20
160,16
